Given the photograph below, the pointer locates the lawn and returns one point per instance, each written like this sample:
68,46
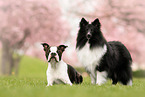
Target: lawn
31,82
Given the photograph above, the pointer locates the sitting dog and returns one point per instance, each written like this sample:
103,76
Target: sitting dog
58,71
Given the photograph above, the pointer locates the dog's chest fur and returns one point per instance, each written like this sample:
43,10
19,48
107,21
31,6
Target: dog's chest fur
91,57
59,72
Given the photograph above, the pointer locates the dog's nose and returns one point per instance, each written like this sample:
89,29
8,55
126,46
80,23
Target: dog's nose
53,54
89,35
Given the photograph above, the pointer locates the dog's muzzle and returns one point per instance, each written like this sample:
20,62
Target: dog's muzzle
89,35
53,57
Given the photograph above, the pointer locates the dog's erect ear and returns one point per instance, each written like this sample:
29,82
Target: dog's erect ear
45,45
62,47
96,22
83,22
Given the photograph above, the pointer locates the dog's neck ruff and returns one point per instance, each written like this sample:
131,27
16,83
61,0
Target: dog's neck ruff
91,57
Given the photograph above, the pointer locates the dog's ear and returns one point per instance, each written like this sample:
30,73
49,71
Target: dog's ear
96,22
45,45
83,22
62,47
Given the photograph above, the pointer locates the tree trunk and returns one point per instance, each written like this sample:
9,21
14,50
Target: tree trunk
16,64
6,59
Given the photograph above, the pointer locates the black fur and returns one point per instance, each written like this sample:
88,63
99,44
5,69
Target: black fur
116,61
46,49
74,76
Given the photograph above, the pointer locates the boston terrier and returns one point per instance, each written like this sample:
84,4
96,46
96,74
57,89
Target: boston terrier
58,71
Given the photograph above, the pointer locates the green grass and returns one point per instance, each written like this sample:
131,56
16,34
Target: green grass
32,67
31,82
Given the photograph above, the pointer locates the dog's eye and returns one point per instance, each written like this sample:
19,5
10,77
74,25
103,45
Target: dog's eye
87,29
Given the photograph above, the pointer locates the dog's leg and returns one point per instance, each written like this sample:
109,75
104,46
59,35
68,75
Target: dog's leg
66,80
114,82
129,83
93,78
49,81
114,79
101,77
92,75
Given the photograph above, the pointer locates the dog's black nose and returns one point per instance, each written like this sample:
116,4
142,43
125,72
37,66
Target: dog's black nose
53,54
89,35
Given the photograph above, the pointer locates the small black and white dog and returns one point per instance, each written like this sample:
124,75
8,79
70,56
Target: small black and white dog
100,58
58,71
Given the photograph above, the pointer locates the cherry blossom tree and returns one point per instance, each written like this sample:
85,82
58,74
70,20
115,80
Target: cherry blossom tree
24,23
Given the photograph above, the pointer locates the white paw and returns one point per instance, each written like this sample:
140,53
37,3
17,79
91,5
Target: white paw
49,85
101,78
129,83
70,84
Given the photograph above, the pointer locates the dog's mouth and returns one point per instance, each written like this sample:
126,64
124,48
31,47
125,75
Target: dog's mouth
52,59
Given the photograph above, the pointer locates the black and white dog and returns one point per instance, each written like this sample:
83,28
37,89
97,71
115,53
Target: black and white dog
58,71
100,58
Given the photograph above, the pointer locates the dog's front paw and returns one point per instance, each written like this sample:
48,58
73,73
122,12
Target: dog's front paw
49,85
70,84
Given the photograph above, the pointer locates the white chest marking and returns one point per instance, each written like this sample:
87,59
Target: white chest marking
60,72
90,58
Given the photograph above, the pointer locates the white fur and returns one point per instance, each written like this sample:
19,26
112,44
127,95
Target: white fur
57,73
101,77
90,58
93,77
53,50
129,83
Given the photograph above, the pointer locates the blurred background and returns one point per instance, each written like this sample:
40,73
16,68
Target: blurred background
25,24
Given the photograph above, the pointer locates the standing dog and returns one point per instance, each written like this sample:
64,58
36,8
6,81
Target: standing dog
58,71
100,58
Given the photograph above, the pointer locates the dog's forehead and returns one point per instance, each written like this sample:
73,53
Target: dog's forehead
53,49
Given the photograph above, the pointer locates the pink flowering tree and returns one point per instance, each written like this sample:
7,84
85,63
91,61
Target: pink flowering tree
24,23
